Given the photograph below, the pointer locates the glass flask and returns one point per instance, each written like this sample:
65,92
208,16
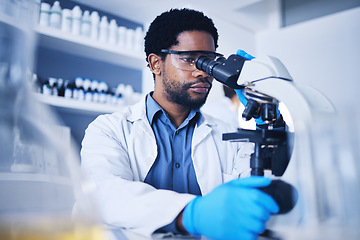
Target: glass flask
43,195
324,170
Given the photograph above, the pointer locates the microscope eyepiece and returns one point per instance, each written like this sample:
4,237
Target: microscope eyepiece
224,70
207,65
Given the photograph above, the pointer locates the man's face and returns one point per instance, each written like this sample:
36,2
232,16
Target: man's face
188,88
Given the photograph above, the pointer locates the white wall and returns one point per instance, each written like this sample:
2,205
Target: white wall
231,38
323,53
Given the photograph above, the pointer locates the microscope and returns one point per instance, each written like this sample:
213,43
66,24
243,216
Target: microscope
265,82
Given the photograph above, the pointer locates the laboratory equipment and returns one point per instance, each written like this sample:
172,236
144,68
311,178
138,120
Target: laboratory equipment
55,15
76,13
322,157
95,19
113,31
66,20
85,28
43,195
121,36
44,14
104,29
272,150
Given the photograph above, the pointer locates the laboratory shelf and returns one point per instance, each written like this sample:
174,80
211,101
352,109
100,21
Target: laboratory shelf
77,106
34,177
85,47
8,20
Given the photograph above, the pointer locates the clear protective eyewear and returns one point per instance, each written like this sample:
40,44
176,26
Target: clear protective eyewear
185,60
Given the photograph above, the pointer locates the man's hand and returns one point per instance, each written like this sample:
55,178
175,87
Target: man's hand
234,210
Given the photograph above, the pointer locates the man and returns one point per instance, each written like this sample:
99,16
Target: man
160,165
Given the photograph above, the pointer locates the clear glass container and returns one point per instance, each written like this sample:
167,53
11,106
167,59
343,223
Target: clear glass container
324,170
43,195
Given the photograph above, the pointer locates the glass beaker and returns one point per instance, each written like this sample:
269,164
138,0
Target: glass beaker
43,195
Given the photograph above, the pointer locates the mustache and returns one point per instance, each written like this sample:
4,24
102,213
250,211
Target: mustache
200,80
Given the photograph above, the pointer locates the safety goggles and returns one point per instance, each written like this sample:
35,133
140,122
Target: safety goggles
185,60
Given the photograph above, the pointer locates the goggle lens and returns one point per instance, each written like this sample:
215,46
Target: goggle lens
185,60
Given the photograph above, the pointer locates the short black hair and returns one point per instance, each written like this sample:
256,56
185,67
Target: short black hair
164,30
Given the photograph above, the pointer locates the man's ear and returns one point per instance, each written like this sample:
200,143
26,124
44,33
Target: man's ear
154,63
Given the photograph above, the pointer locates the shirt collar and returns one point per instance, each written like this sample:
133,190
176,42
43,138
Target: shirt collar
152,108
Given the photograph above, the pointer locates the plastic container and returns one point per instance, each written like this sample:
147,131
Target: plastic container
113,31
66,20
79,88
88,95
55,15
95,19
85,24
121,36
139,39
103,29
68,89
86,83
130,39
94,85
76,20
46,89
102,89
44,14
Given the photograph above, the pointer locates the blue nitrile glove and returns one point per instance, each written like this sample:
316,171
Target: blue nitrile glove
244,54
234,210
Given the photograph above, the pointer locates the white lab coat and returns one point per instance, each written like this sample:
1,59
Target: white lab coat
118,151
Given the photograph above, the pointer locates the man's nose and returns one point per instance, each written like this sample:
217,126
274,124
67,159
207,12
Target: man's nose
199,73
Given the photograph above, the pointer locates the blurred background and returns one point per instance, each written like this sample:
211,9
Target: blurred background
63,63
317,40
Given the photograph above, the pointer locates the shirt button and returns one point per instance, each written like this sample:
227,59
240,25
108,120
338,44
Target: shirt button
177,165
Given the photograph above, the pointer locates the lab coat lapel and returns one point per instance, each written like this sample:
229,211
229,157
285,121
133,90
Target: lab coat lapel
206,158
142,139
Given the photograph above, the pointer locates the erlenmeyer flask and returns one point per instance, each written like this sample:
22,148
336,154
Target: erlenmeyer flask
40,177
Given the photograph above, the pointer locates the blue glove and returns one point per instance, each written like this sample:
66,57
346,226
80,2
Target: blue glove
244,54
234,210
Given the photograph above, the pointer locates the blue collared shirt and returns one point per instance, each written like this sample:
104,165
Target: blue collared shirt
173,168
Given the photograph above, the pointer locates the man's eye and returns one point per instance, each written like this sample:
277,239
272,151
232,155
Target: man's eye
188,60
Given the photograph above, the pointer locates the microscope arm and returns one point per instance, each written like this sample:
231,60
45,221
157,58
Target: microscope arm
268,76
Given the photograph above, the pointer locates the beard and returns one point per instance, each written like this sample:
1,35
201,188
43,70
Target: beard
178,93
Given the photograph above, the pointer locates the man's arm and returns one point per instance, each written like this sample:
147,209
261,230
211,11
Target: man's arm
124,200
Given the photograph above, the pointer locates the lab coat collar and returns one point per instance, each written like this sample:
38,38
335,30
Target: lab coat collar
138,112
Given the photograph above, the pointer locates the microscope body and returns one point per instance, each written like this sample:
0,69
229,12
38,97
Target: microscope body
268,76
266,82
